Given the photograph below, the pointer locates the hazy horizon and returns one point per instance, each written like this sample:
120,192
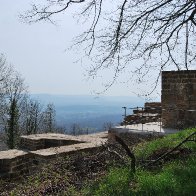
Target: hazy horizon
88,111
37,51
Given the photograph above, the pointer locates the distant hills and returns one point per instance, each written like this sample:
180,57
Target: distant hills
88,111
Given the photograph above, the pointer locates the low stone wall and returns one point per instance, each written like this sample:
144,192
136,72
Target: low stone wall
14,163
150,113
28,144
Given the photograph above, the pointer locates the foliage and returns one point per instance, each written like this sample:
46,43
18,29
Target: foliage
145,149
115,183
176,177
12,125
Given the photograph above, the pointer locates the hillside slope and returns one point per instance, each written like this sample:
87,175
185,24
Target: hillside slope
106,171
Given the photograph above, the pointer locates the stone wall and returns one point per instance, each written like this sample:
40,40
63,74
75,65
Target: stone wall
14,163
151,112
132,137
38,149
179,98
153,107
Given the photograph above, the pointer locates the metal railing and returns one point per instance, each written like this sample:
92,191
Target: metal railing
142,112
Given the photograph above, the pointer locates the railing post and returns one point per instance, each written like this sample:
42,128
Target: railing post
125,114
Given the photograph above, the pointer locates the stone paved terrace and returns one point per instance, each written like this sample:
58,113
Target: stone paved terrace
136,133
144,128
56,136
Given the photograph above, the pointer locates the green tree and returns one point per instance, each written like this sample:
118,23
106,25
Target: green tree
12,126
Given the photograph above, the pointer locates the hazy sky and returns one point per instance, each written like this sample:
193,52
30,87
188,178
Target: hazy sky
38,52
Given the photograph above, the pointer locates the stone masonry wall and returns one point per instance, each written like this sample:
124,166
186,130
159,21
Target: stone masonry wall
14,163
32,144
18,162
179,98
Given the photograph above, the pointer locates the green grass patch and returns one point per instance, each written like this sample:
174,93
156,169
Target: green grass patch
177,177
115,183
146,149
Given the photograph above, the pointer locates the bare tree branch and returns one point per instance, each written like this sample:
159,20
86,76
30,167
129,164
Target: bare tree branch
129,153
187,139
121,32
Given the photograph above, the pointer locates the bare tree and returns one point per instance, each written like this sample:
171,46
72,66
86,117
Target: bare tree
49,118
5,72
14,92
19,114
107,126
31,116
75,129
122,32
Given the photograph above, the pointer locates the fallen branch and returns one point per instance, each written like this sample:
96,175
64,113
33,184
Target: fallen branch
116,153
173,149
129,153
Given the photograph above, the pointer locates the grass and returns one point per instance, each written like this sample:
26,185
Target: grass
177,177
146,149
115,183
173,177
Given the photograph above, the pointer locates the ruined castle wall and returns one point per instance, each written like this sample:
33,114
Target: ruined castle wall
179,98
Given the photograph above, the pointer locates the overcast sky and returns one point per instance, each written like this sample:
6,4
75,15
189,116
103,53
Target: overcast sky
38,52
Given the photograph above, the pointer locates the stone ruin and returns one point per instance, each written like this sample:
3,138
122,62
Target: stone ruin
37,149
176,111
179,99
177,108
151,112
